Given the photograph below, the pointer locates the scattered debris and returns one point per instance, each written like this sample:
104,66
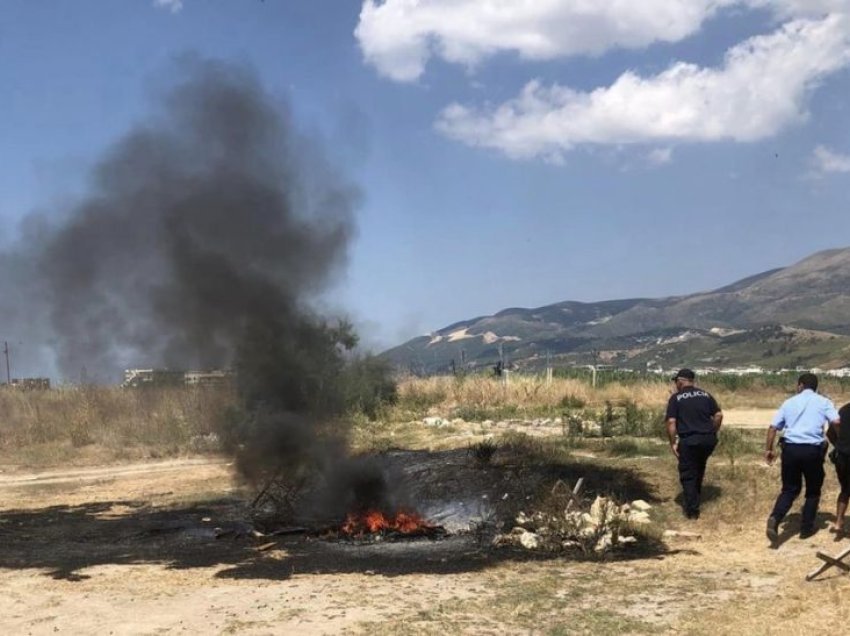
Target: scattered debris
680,534
566,526
437,422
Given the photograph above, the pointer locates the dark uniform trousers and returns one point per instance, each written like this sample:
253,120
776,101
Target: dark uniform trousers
801,461
693,456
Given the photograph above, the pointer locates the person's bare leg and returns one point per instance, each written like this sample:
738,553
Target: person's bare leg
840,511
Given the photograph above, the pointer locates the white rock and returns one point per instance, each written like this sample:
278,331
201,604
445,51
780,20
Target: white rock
603,511
626,540
639,517
529,540
605,542
438,422
640,504
676,534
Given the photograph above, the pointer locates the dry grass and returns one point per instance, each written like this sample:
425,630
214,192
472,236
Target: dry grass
50,426
525,393
531,395
84,425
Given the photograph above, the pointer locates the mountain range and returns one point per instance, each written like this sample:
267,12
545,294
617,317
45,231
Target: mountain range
796,316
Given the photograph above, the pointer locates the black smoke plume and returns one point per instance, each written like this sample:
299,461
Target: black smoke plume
205,233
210,215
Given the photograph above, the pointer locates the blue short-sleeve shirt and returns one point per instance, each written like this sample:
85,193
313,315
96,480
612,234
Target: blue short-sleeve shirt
803,417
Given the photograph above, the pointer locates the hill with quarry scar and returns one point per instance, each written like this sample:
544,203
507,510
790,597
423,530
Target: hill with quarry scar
783,318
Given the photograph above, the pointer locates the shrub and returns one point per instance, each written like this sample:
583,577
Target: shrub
608,420
368,386
732,444
483,451
571,401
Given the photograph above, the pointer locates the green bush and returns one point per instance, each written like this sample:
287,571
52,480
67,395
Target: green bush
734,443
368,386
608,420
639,422
572,402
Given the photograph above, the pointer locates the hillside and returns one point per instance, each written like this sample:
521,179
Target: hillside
793,316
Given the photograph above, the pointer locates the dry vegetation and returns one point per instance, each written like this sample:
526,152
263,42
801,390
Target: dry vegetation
709,583
529,395
87,423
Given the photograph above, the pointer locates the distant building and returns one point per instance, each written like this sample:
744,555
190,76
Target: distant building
30,384
215,377
135,378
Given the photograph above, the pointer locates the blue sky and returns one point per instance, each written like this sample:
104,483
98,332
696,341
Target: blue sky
509,154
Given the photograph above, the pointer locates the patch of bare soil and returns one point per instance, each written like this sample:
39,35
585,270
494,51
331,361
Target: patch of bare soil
134,550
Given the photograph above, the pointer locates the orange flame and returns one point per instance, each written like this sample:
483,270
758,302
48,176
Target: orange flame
374,521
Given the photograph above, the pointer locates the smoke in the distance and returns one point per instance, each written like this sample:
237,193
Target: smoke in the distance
213,213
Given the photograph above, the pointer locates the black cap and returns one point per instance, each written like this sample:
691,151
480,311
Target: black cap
684,374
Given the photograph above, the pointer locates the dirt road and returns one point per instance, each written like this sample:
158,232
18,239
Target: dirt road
132,550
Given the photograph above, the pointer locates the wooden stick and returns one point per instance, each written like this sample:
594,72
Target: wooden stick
268,485
829,561
267,546
575,492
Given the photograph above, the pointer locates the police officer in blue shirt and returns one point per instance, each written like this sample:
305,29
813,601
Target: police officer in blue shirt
693,419
803,419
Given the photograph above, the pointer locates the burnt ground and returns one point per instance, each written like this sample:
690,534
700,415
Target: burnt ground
450,488
132,550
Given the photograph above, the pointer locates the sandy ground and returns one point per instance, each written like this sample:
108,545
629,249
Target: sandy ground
748,418
129,550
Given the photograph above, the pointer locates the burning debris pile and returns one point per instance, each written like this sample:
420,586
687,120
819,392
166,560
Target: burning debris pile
563,526
399,524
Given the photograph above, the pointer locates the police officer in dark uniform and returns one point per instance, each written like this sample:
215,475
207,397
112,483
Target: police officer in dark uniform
694,417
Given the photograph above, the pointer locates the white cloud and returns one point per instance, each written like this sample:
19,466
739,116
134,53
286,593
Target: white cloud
399,36
762,87
170,5
803,8
660,156
827,160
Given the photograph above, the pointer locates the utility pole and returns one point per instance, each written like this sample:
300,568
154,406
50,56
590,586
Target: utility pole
8,373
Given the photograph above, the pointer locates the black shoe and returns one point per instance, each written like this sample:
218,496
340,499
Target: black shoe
805,533
692,514
772,530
